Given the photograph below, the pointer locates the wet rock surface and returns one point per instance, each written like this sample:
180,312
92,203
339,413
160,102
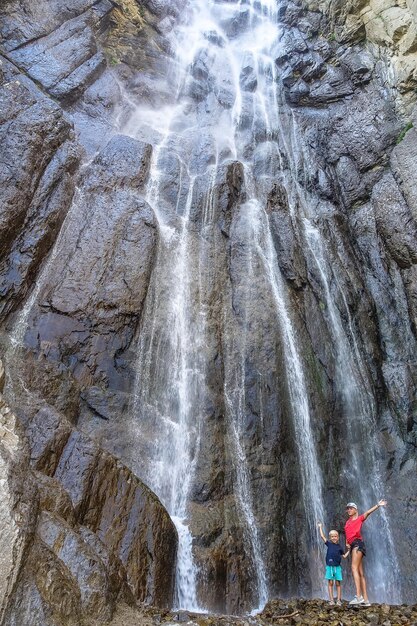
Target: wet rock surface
345,75
37,180
76,543
18,501
59,50
119,234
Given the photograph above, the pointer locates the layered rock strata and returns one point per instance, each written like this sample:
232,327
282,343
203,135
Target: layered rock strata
78,540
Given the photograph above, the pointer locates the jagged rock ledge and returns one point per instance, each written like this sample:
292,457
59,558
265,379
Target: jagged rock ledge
294,612
79,531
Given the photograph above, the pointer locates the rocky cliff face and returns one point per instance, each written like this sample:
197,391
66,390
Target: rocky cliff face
80,531
366,142
79,260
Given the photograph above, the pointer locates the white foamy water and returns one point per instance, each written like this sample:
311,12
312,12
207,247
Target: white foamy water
171,369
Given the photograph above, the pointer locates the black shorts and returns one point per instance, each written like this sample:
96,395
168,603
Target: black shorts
359,544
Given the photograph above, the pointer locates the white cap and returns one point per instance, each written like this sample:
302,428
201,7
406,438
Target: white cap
352,505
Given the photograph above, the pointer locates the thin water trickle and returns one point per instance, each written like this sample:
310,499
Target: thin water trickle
262,248
20,326
19,329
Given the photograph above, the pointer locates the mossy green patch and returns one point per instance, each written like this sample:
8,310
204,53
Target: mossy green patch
404,131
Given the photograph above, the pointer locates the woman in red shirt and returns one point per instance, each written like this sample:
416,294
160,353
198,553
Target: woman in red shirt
354,540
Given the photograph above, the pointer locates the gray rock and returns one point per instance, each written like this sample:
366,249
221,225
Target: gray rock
84,565
75,468
350,180
290,13
123,162
71,87
95,114
46,213
110,202
395,222
45,599
123,523
37,185
48,433
114,568
54,499
298,92
334,86
108,405
161,8
248,79
363,134
404,163
19,505
287,247
64,62
237,23
359,64
100,488
21,26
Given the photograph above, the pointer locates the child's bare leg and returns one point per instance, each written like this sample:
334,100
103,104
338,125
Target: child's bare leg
339,590
363,582
356,563
330,589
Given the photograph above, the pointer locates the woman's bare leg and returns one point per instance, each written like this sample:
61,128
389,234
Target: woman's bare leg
363,582
356,571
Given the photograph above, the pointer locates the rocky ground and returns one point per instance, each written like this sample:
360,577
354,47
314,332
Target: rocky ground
280,612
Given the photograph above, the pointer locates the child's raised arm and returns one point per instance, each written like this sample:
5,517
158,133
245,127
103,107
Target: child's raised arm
322,535
374,508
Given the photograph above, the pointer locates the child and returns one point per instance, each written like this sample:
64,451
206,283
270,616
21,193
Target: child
333,561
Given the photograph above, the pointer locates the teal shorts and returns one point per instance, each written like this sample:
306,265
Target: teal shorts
333,572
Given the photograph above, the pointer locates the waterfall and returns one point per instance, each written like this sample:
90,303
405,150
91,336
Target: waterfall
235,398
172,354
362,478
221,130
360,415
171,380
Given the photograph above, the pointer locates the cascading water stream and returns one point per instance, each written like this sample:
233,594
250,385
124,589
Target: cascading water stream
360,416
258,240
352,380
170,366
177,446
170,350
